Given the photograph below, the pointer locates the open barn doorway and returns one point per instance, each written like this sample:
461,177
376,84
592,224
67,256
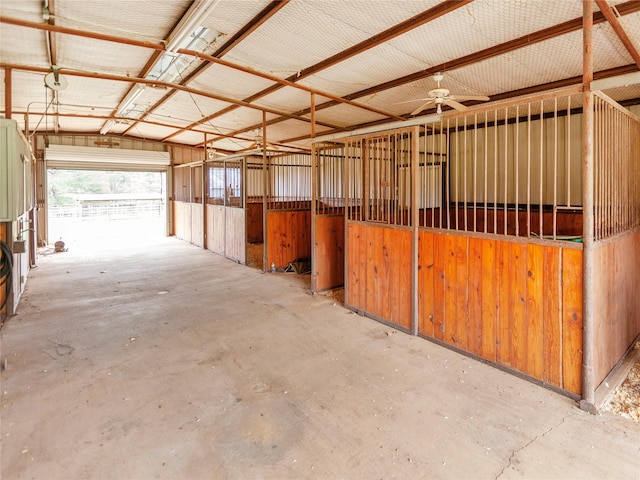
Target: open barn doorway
93,210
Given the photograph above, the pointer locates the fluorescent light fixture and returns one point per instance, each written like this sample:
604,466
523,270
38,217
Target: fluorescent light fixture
190,21
107,126
127,103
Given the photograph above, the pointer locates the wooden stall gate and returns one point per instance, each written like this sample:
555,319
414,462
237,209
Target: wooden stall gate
227,206
461,231
288,209
327,217
188,203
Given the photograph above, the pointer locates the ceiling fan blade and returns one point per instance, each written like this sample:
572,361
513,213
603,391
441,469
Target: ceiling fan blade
415,100
454,104
422,107
462,98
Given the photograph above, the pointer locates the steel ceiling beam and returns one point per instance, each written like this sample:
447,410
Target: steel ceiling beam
265,14
619,29
422,18
145,81
627,8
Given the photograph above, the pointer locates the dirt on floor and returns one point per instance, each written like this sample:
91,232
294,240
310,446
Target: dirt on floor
626,398
255,255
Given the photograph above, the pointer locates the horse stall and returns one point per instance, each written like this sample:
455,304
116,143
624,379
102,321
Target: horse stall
287,209
327,217
188,203
475,231
234,218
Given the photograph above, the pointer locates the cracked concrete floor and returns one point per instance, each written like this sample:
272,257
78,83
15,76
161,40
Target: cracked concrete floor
167,361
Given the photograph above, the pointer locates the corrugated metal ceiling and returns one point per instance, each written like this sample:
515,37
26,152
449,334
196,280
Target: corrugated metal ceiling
369,52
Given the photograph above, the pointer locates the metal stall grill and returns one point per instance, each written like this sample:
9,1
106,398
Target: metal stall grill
328,179
327,219
617,168
378,178
512,169
289,181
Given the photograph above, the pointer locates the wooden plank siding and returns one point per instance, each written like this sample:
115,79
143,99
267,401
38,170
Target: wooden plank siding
379,272
288,236
235,246
513,303
617,300
216,226
329,245
197,223
182,220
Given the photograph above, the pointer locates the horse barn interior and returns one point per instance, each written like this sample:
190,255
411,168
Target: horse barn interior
467,171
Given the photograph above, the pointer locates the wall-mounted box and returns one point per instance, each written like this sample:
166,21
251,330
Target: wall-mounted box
15,172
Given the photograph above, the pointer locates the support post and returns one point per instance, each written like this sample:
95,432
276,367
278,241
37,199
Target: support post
314,200
204,194
265,187
415,219
588,382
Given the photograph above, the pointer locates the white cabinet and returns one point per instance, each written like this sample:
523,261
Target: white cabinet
15,172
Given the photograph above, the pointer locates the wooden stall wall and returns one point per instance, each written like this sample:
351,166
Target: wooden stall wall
216,220
188,222
513,303
235,239
288,236
617,301
328,269
378,277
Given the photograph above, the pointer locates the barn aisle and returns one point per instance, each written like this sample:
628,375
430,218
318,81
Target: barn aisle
167,361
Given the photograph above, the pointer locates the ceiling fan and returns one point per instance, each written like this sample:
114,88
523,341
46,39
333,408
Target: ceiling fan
441,96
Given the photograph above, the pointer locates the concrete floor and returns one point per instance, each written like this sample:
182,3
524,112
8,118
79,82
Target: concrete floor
167,361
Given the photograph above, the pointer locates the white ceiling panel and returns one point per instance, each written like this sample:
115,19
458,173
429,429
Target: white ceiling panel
91,55
144,20
16,41
192,108
229,82
295,99
311,31
343,115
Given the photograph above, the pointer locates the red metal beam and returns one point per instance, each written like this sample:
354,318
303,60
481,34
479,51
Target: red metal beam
619,29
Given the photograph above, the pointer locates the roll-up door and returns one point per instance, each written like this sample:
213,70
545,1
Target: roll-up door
70,157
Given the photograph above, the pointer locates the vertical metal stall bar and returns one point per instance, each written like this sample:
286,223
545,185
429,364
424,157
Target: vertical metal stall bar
506,170
485,194
541,161
394,190
414,159
516,170
608,180
456,176
529,169
568,143
475,172
555,166
495,171
367,206
444,150
447,182
618,170
465,174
